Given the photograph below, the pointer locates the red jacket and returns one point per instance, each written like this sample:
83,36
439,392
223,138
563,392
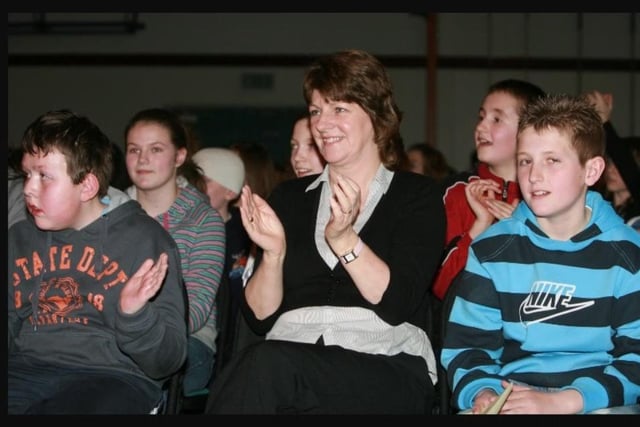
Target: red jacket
460,218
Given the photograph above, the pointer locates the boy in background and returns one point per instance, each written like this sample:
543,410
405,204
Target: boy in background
467,194
549,297
96,305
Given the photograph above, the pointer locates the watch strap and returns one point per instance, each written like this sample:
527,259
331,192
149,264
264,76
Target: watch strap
354,253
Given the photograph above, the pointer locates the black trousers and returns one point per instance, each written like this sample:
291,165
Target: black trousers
280,377
37,389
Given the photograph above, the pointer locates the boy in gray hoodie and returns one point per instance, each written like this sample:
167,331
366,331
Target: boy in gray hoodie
96,305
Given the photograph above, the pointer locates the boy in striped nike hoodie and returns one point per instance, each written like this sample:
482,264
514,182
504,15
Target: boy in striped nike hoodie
549,297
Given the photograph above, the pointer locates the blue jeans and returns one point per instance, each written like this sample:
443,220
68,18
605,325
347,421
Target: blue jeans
200,360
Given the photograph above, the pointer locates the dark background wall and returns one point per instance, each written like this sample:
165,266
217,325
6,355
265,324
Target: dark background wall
239,75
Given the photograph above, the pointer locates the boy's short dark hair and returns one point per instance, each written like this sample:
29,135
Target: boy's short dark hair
84,146
573,116
523,91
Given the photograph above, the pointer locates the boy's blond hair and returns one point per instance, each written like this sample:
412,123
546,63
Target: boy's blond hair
572,116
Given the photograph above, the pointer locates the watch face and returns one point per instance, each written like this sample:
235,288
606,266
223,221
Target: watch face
349,257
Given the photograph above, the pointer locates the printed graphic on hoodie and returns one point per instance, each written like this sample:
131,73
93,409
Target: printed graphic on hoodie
547,300
60,298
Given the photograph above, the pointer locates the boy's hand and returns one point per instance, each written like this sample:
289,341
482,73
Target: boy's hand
143,285
603,102
500,209
478,192
483,400
527,400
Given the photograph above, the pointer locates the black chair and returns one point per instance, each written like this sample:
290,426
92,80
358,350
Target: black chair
442,318
173,393
168,404
425,317
177,401
441,406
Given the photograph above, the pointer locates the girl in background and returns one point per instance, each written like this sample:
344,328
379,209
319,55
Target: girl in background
170,188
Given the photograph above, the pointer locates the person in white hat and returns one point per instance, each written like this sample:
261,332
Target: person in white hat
224,173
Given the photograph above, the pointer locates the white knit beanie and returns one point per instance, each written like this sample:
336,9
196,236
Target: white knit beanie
223,166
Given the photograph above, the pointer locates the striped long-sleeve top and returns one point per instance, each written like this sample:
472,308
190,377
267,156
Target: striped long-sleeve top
199,231
549,313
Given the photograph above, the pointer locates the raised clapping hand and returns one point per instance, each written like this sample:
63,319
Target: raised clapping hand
478,192
262,223
500,209
345,207
481,198
603,102
143,285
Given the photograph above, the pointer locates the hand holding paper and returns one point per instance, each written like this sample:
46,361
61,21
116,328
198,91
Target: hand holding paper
499,402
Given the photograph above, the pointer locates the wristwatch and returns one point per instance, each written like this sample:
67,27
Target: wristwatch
353,254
